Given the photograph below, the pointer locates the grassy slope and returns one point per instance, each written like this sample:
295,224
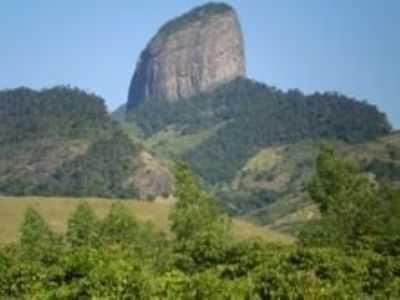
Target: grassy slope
283,169
294,209
170,143
269,187
278,168
379,148
57,210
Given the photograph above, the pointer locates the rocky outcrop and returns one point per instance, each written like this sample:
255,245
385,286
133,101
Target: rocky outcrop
191,54
152,179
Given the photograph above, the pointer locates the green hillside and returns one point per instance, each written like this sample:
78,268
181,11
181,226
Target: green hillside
252,144
60,112
69,249
61,141
380,156
247,116
289,170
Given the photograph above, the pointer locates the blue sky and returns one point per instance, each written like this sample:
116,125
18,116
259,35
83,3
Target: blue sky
349,46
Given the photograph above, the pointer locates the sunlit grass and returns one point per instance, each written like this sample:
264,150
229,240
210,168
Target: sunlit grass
56,211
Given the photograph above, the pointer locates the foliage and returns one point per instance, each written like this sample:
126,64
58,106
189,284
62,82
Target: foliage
58,112
118,257
241,120
334,177
389,170
356,211
249,272
61,141
37,239
83,227
119,114
119,226
104,170
252,116
201,230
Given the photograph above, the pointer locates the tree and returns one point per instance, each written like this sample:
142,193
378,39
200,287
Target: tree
390,242
200,229
83,226
354,208
334,177
37,239
119,226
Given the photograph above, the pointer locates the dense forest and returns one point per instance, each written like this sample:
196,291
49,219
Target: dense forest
104,170
249,116
62,141
60,112
351,252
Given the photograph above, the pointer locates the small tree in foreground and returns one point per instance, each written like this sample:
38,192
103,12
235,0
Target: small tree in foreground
355,210
201,230
83,226
37,239
119,226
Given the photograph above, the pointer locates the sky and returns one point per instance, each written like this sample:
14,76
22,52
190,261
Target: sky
352,47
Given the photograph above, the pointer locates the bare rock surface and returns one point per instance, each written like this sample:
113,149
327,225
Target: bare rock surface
152,179
193,53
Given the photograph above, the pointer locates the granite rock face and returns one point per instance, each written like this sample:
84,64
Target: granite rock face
193,53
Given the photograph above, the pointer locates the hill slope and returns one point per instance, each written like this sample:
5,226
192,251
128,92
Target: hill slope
286,169
251,116
61,141
253,144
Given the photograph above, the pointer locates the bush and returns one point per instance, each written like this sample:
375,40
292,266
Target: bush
120,258
83,227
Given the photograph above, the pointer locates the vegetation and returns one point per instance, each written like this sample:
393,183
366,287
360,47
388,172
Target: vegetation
104,170
171,144
251,144
356,211
61,141
275,174
60,112
254,116
255,145
57,210
380,157
389,170
119,257
292,166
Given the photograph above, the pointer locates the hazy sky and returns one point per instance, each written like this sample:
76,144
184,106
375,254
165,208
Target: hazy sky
349,46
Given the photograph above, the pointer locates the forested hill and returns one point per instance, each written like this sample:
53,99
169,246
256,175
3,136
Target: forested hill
246,116
59,112
61,141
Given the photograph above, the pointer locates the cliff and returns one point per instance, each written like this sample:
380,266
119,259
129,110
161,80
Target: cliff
193,53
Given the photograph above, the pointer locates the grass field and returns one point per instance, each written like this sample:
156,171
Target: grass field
170,143
56,211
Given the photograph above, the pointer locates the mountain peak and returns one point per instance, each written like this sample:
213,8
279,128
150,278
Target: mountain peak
197,14
190,54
